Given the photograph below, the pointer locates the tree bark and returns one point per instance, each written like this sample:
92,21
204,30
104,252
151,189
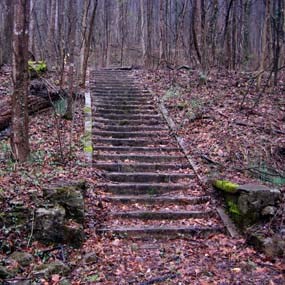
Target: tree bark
86,45
20,120
264,43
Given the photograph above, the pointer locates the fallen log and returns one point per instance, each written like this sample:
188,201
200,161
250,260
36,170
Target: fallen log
41,96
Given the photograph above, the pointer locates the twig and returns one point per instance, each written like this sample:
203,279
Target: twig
32,229
159,279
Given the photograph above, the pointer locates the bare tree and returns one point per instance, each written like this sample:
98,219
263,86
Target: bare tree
20,135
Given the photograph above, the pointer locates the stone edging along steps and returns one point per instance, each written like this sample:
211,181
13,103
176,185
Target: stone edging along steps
149,181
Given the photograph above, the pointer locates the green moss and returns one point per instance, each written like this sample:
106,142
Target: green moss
88,148
233,208
87,109
226,186
37,66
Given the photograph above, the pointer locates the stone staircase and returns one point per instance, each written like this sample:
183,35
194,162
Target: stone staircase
150,187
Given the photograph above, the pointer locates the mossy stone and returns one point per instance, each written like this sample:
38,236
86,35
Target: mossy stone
47,270
23,258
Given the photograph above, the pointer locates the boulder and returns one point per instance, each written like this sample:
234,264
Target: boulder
49,224
47,270
249,203
18,214
269,211
22,258
90,258
69,196
5,273
73,234
272,247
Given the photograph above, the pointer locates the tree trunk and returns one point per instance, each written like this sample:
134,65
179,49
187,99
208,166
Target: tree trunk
86,45
194,34
162,38
263,43
20,134
71,70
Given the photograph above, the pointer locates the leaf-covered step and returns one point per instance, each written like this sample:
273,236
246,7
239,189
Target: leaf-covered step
136,101
128,106
142,188
123,94
130,167
113,128
162,231
163,214
131,142
125,112
136,149
129,117
114,134
128,122
143,177
141,157
153,199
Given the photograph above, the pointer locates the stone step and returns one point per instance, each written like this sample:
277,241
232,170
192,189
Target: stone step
121,107
120,135
130,167
113,128
136,149
140,157
118,122
162,214
147,177
142,188
125,112
153,199
162,231
131,142
129,117
119,94
120,102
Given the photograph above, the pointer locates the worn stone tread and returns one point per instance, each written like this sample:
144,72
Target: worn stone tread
112,128
154,199
163,214
131,142
136,149
163,231
142,188
129,134
140,177
128,167
140,157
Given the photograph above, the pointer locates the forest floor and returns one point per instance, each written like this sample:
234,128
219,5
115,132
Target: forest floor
224,140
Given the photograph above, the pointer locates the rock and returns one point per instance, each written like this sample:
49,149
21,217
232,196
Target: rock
90,257
46,270
70,196
253,199
18,214
5,273
49,224
23,258
274,247
73,234
64,282
269,211
271,246
264,196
